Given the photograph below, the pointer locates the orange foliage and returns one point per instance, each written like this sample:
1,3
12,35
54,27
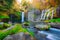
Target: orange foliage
40,4
16,5
52,2
36,3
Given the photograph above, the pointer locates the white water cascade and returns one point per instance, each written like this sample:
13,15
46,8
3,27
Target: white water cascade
22,17
46,13
43,15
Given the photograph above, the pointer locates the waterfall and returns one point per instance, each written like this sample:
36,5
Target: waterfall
48,14
22,17
52,14
43,15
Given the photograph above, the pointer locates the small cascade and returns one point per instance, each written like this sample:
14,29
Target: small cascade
38,16
52,14
43,15
46,14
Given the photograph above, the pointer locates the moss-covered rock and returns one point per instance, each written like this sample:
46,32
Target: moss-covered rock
43,27
26,23
4,26
16,29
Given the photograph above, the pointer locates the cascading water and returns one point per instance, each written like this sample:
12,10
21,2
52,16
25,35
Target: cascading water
43,15
22,17
46,13
52,14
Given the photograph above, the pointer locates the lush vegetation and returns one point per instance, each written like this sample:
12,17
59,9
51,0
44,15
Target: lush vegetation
55,20
17,29
5,5
7,8
4,26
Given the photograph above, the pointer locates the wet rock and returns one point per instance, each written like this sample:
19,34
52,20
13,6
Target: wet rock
15,37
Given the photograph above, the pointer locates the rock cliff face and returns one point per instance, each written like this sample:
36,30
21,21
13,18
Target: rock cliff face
58,11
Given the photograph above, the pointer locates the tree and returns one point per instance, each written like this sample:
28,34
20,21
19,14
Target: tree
5,6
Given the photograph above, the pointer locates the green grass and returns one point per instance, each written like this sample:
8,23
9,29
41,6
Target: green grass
2,16
14,30
55,20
